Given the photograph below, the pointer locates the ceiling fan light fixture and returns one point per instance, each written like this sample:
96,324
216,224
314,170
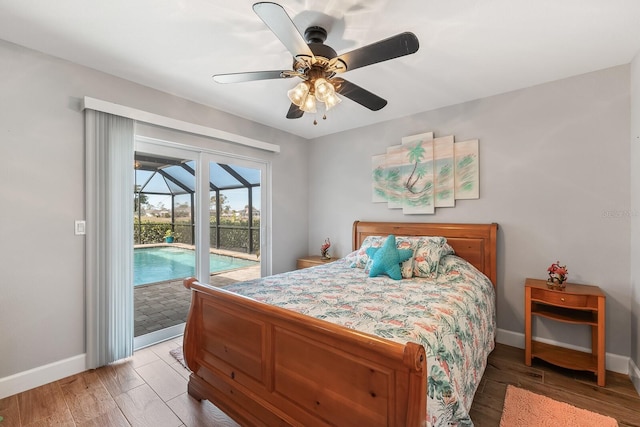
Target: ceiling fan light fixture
309,105
323,89
299,94
331,101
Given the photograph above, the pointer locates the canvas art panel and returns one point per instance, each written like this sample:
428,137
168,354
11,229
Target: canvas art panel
421,176
417,176
467,170
443,158
377,165
427,136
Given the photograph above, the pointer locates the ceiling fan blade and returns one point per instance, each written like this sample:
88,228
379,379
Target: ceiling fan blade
359,95
294,112
251,76
399,45
283,27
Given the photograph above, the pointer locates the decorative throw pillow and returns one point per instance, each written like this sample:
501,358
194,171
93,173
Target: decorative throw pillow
402,242
361,254
447,250
427,257
387,259
351,258
407,242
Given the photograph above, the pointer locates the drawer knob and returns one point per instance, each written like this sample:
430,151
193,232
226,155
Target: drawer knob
562,299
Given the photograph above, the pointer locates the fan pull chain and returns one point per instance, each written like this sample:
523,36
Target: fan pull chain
324,117
315,116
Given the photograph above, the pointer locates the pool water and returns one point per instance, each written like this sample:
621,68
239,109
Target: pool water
158,264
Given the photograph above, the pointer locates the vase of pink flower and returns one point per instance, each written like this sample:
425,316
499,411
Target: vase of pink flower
324,249
557,276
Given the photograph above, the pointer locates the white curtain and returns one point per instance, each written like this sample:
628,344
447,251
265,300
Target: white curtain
109,239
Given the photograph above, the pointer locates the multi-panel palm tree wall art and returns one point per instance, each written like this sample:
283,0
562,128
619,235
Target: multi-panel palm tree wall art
424,173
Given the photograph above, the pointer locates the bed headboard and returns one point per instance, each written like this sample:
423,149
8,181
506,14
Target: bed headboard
474,242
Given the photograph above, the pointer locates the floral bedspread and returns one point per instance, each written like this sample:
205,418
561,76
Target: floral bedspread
453,317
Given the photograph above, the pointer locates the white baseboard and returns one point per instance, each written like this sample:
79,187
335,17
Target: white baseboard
634,373
41,375
614,362
514,339
23,381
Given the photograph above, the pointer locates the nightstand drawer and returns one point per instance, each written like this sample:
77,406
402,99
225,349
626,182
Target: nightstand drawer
559,298
311,261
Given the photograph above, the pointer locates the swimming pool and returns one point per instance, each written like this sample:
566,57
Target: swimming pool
161,263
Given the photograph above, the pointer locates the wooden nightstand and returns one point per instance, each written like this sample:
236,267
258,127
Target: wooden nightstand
579,304
311,261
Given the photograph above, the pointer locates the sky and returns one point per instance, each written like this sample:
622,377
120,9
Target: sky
236,199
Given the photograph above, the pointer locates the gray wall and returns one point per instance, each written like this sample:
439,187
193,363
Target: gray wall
554,174
42,193
635,215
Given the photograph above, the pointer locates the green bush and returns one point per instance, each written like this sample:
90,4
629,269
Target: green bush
234,235
149,232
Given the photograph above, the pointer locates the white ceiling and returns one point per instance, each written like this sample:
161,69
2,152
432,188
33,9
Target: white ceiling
469,49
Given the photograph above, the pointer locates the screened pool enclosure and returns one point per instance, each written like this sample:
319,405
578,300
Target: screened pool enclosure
164,203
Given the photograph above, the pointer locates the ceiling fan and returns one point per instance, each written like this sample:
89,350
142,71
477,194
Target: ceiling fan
318,65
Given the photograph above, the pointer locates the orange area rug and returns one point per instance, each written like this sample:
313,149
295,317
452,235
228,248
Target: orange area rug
523,408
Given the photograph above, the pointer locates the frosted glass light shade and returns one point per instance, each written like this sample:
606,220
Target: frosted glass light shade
323,89
331,101
309,105
298,94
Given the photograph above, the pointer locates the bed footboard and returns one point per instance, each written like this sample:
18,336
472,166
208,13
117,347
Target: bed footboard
266,366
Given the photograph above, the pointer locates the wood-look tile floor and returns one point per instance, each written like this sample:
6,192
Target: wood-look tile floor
149,389
618,399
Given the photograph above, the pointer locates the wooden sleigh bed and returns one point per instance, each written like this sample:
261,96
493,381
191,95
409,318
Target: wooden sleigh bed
268,366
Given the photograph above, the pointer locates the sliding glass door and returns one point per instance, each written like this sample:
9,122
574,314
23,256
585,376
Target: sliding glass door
197,213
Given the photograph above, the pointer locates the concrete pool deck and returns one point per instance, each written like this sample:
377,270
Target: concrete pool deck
161,305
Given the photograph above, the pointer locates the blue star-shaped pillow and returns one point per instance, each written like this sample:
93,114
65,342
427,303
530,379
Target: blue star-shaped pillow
387,259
